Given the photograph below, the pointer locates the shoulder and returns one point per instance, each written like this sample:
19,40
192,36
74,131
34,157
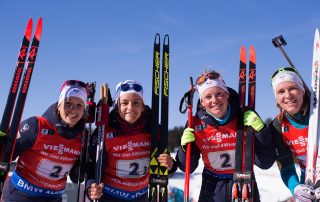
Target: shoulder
29,125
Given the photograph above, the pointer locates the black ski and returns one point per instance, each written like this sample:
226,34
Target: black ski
158,180
8,146
7,114
237,178
242,189
153,180
248,186
163,143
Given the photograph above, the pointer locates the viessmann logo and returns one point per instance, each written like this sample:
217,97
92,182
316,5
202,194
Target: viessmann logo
61,148
130,145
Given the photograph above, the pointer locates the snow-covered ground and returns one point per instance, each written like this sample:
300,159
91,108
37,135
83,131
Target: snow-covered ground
269,183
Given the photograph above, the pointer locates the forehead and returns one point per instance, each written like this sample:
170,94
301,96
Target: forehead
73,99
213,90
130,97
286,85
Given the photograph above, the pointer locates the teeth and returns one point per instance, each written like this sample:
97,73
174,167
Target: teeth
72,115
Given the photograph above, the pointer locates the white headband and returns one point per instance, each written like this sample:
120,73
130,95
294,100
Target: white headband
120,91
219,82
73,91
283,76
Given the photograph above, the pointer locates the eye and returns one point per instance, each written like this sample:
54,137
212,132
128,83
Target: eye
280,92
136,103
124,103
219,94
67,104
79,106
207,97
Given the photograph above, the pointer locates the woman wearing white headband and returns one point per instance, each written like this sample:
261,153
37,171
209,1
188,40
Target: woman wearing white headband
290,130
125,173
216,115
49,148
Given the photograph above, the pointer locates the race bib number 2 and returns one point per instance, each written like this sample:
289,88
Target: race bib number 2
132,168
222,160
52,170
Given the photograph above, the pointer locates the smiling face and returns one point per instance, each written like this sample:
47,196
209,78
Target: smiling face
289,97
215,101
71,110
130,107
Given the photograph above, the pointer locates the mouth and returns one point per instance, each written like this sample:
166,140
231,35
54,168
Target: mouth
72,116
217,107
291,102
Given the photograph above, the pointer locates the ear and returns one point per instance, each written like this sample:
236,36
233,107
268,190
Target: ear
201,102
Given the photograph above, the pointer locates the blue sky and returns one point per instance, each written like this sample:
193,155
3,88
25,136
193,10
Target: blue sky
109,41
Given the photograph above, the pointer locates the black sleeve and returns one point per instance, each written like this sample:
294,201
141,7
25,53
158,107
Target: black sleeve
283,153
174,167
27,136
265,153
194,158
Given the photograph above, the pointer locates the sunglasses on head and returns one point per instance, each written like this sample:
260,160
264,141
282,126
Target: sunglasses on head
290,69
131,86
76,83
205,76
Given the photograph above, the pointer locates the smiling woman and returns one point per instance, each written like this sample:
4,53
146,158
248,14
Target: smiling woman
49,148
289,130
214,138
127,149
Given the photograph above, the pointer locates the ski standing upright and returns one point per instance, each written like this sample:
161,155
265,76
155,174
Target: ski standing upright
14,108
158,180
312,177
243,185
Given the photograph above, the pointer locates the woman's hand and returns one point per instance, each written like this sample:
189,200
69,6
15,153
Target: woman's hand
166,160
95,191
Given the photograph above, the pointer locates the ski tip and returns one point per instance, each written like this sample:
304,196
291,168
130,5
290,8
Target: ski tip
252,55
157,38
28,32
166,40
243,54
39,29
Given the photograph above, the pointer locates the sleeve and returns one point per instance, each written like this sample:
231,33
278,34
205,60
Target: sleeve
289,177
174,167
265,152
284,158
26,137
194,158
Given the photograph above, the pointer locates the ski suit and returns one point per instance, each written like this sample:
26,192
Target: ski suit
289,134
126,157
48,152
216,143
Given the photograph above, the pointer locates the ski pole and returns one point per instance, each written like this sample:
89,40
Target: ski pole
90,118
102,120
188,152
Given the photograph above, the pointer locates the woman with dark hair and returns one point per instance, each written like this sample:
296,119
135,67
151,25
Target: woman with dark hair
49,148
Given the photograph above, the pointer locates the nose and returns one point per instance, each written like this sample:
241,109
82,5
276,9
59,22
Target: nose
130,105
214,99
287,94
